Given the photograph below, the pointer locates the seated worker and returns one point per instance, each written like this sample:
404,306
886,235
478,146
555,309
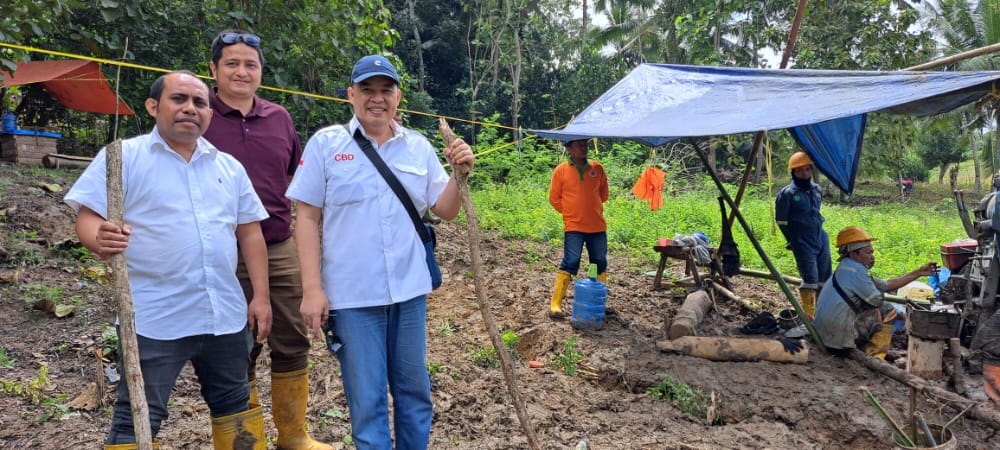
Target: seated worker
851,312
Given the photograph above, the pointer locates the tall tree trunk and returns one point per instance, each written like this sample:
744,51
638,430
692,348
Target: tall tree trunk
515,106
421,72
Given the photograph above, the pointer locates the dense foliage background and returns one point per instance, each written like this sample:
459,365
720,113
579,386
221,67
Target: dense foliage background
497,67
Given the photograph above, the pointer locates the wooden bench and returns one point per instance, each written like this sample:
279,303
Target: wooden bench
687,255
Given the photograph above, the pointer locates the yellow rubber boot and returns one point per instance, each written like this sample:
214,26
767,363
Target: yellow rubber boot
126,446
603,278
254,393
558,292
240,431
881,341
807,297
289,395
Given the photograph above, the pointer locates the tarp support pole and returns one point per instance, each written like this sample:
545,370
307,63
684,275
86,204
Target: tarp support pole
760,251
746,173
793,35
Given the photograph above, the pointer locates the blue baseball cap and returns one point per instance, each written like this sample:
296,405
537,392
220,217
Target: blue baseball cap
372,66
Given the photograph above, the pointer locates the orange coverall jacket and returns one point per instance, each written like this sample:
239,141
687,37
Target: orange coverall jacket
579,196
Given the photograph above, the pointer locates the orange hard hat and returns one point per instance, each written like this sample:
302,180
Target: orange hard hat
799,159
851,235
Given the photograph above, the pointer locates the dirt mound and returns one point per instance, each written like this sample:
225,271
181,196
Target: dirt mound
608,402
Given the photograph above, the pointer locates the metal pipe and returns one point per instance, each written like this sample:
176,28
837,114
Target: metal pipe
927,430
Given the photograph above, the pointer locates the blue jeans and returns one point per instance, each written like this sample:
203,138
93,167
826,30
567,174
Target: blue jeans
597,250
386,345
219,361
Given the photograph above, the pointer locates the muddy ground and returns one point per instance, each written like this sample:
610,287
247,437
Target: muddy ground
759,405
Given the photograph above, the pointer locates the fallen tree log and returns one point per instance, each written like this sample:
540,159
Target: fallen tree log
690,314
57,161
983,412
734,349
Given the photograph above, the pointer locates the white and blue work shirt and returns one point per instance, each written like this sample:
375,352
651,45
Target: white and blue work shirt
835,321
182,252
371,252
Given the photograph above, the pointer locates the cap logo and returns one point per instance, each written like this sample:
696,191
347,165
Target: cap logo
378,63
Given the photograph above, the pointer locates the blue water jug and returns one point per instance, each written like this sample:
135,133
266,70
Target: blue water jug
589,298
9,122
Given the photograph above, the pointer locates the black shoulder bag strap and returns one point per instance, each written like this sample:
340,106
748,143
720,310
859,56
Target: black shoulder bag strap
383,169
843,295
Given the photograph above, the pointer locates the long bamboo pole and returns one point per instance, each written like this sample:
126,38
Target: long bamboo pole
461,173
956,57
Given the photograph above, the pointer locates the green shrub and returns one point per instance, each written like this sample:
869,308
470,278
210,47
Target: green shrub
568,360
690,400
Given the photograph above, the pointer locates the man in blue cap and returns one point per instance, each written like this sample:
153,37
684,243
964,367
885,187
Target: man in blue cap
367,272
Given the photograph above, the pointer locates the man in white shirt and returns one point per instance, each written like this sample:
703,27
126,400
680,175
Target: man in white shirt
186,207
370,267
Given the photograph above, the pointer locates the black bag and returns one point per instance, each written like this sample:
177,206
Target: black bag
432,264
426,232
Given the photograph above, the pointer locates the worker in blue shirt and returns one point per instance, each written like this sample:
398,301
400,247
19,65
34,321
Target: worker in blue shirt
797,212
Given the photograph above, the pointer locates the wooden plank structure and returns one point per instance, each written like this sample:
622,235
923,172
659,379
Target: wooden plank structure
26,149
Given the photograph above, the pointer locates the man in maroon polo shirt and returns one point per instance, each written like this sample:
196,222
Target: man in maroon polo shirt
261,135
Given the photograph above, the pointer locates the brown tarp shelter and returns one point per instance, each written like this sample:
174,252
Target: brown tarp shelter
77,84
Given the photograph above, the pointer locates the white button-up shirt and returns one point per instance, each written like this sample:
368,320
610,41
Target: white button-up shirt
372,254
182,252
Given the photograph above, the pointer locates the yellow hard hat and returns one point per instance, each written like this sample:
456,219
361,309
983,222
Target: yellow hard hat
799,159
851,235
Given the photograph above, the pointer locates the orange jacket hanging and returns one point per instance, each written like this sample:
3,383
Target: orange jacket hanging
649,187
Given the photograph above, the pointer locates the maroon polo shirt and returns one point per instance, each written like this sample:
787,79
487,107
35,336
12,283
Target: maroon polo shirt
265,142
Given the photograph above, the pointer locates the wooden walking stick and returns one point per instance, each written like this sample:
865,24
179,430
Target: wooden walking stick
461,181
132,372
126,313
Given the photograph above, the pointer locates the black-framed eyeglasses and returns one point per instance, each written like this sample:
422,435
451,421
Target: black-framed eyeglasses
247,38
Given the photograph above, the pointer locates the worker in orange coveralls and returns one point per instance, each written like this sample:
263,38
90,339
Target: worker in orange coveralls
578,191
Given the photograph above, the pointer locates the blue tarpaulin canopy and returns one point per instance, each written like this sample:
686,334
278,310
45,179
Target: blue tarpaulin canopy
824,110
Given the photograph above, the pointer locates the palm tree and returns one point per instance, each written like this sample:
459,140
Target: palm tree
681,31
962,26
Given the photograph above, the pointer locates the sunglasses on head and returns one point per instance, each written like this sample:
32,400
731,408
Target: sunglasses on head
247,38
